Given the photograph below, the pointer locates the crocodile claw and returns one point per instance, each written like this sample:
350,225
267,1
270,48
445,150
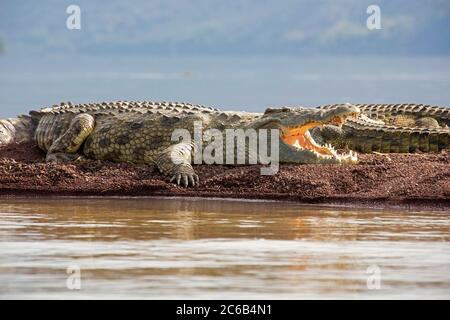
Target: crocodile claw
185,179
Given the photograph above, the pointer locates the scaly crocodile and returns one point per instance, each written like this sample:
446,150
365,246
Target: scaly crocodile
140,132
389,128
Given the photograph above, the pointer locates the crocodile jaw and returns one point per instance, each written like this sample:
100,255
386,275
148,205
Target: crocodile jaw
300,140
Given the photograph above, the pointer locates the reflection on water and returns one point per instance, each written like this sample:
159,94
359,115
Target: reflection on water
175,248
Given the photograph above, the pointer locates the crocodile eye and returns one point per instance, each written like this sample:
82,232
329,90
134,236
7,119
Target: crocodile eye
136,125
277,110
269,110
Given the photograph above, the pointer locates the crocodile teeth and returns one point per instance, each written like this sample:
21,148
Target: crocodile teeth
349,157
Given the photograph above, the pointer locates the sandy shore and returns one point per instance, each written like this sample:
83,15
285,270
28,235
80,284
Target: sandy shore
417,180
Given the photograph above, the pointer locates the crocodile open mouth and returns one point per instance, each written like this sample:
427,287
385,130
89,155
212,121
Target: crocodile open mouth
299,138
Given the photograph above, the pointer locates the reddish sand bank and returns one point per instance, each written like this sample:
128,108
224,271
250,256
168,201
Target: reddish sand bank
395,179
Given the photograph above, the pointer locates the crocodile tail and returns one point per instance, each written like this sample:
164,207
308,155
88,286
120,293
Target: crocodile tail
369,137
20,129
7,132
385,111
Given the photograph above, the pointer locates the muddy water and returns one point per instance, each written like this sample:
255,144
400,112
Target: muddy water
175,248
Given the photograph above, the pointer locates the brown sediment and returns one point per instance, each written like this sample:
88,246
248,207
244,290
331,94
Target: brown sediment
408,180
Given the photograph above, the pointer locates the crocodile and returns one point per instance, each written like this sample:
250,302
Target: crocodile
389,128
141,132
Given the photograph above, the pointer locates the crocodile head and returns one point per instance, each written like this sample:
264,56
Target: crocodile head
296,143
335,135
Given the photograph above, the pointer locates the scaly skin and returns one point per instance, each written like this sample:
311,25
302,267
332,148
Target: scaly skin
390,128
140,132
20,129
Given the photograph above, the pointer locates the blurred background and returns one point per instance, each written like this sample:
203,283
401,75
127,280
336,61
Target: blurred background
241,55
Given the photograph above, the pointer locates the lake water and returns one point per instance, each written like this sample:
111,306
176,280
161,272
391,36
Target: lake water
204,249
236,83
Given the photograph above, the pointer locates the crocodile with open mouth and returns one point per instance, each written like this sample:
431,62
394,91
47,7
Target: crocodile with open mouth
140,132
389,128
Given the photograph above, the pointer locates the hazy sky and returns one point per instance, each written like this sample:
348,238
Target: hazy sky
237,54
212,27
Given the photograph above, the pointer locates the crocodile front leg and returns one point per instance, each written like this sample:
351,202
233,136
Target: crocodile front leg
175,162
65,148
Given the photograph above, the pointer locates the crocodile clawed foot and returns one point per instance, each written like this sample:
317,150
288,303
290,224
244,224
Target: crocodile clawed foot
81,158
185,179
184,175
64,157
